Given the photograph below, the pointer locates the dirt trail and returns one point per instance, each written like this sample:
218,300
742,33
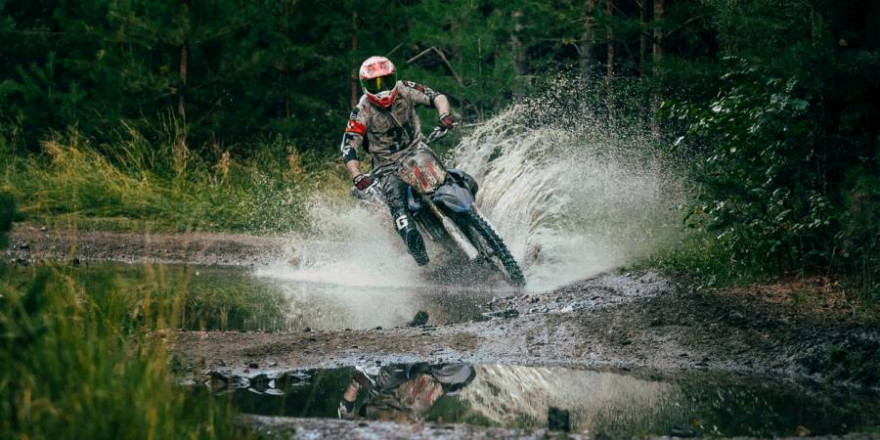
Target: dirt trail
29,243
630,321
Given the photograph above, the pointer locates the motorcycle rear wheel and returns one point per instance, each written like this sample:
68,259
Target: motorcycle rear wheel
481,227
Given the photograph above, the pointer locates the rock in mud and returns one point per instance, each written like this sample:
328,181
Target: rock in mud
506,313
683,432
420,319
558,419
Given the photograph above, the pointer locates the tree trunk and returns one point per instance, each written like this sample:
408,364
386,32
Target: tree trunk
609,12
519,59
184,55
354,65
184,59
609,64
656,58
657,52
180,150
585,52
643,36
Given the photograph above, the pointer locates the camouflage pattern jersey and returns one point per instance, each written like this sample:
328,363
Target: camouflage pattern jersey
386,134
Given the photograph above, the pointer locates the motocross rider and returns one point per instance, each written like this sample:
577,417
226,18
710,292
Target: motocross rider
402,392
385,124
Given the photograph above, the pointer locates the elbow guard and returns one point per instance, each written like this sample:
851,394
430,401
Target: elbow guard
349,153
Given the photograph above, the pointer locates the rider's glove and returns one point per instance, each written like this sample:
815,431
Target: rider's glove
447,121
362,181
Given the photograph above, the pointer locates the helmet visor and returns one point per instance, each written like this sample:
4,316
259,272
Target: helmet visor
380,83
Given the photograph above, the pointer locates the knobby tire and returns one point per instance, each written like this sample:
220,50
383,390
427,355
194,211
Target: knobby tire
481,226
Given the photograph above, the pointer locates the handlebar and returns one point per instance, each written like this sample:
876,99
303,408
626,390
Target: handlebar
372,194
437,133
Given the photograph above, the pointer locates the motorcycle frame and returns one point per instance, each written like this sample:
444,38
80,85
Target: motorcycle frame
429,179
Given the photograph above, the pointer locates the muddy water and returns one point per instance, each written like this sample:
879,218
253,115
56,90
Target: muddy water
222,298
599,403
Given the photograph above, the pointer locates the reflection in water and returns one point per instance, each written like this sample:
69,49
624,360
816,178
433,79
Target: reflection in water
402,391
599,403
224,298
521,396
335,307
202,298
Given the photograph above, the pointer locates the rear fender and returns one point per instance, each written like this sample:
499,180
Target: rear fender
454,197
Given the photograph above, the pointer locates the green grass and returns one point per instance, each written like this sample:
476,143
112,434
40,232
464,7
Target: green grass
705,259
92,363
85,351
213,298
161,185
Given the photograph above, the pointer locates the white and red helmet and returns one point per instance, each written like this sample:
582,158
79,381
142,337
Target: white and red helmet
379,80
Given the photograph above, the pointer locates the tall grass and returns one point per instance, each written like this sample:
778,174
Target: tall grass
90,363
134,182
213,298
75,365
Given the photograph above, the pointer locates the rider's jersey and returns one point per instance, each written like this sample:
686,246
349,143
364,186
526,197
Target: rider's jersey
387,133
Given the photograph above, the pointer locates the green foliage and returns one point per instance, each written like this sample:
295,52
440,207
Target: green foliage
210,298
784,155
860,232
756,165
135,180
70,366
7,212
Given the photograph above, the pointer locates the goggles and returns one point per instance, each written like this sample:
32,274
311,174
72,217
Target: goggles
380,84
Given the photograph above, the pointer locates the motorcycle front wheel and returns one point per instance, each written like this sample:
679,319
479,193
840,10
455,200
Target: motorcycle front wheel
480,227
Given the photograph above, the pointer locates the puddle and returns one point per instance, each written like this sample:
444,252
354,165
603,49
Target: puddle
333,307
226,298
603,404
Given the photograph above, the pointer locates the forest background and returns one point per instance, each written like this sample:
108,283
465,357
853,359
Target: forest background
195,114
226,115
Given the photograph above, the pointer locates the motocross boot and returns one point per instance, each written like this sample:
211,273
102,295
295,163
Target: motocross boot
411,237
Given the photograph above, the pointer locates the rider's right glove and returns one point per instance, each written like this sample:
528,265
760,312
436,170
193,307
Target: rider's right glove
362,181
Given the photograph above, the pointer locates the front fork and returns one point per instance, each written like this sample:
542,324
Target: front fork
453,230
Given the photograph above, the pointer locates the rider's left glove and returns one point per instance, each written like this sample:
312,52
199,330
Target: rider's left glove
362,181
447,121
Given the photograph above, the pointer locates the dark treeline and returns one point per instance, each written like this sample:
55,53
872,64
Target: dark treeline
775,102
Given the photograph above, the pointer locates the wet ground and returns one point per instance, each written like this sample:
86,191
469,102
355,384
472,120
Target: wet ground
623,353
598,403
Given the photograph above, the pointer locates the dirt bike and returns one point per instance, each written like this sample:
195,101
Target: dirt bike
441,201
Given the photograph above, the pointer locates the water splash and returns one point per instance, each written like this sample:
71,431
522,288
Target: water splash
571,195
351,246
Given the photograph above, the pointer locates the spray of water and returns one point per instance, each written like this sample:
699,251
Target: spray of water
572,198
571,195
